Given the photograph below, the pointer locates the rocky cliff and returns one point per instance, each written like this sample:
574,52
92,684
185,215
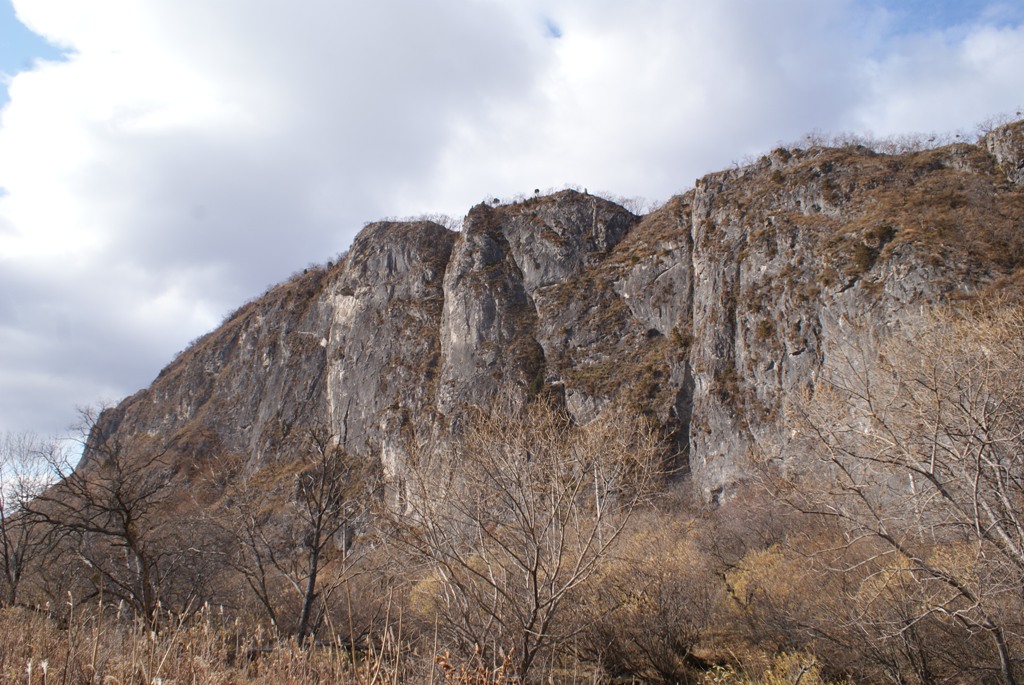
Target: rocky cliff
707,313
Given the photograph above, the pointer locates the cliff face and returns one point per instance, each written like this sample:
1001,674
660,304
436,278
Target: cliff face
709,312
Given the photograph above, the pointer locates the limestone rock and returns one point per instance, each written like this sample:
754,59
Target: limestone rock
710,313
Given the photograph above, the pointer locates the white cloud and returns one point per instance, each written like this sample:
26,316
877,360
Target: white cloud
641,98
943,81
188,153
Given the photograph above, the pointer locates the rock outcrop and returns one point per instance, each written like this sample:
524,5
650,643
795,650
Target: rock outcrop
708,313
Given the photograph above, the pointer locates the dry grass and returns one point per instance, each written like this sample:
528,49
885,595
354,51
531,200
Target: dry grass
202,648
206,648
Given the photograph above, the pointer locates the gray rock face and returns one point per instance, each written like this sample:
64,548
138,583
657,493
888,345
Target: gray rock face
488,329
506,258
710,313
1006,145
382,344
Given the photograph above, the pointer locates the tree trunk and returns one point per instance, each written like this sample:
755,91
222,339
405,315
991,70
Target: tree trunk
1005,664
310,595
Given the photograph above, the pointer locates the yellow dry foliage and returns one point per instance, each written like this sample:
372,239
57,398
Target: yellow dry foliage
768,575
787,668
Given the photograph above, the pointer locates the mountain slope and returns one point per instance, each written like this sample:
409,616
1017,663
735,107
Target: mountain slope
708,312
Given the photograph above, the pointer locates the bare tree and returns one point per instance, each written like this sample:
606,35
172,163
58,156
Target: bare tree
304,544
124,520
23,476
512,520
920,446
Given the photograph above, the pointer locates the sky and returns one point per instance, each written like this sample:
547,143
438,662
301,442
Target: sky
163,161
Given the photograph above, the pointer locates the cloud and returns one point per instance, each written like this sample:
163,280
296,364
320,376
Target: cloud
258,118
186,154
943,81
639,99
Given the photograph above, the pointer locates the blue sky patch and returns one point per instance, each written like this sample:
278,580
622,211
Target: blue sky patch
19,48
553,30
917,16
